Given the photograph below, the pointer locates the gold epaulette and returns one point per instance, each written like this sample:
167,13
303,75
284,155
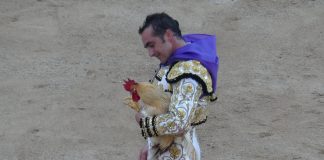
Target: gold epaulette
191,69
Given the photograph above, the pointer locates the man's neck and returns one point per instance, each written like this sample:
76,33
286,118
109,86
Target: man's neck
179,43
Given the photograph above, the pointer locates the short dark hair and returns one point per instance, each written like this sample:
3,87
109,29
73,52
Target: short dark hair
160,22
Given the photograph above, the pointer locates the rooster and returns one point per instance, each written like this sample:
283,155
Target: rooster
155,102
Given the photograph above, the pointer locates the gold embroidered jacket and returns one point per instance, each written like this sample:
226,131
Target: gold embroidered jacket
191,86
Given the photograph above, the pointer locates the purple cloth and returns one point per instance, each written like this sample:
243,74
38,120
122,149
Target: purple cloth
200,47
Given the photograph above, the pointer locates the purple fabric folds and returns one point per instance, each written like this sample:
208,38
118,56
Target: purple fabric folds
200,47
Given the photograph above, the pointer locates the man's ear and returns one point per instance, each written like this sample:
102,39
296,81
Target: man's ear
169,34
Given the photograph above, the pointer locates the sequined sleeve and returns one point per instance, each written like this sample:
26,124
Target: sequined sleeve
184,99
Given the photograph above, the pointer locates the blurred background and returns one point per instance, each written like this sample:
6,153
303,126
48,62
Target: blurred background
62,63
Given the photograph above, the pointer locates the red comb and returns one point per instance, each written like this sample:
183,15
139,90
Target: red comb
128,84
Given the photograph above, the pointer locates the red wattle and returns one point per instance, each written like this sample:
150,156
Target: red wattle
135,97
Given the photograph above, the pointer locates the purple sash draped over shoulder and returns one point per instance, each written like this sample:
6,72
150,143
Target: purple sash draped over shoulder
200,47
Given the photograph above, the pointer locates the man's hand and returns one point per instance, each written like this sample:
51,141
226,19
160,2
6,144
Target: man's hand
143,153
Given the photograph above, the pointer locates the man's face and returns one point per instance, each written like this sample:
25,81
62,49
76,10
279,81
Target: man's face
155,45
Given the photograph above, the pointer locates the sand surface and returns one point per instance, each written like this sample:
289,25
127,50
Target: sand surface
62,63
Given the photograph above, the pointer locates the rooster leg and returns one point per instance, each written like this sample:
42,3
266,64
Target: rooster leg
134,105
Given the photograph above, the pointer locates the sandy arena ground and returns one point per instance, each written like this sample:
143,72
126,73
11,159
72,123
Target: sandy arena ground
62,63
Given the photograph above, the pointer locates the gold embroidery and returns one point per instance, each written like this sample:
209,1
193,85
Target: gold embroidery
188,89
169,87
171,125
196,68
172,74
199,115
161,73
174,152
182,113
184,100
191,67
198,111
209,84
186,66
203,72
196,62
